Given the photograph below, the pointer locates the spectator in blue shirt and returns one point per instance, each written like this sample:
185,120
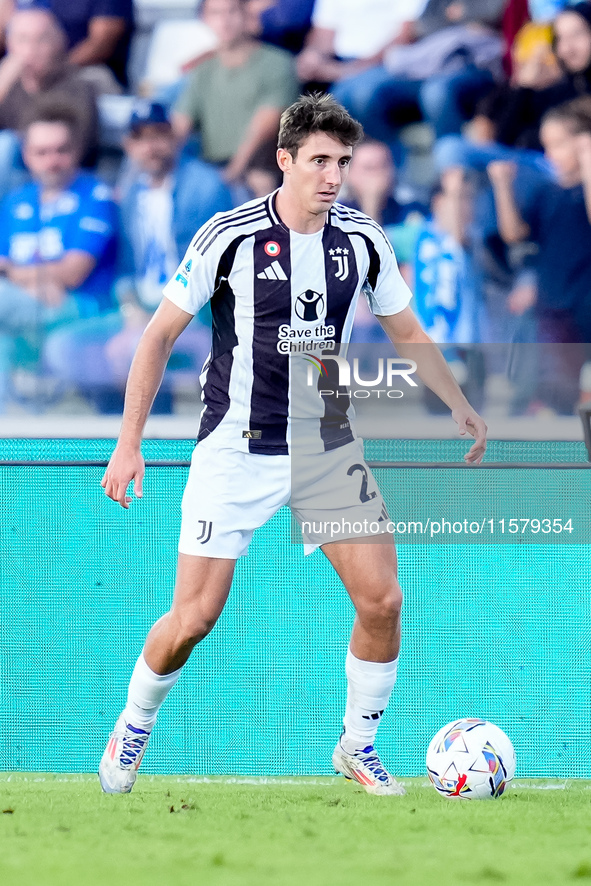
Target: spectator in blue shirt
445,285
443,269
57,235
169,199
166,200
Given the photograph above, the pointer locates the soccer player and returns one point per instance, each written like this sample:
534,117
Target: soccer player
268,268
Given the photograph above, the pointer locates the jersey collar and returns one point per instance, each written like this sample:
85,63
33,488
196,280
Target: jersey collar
271,206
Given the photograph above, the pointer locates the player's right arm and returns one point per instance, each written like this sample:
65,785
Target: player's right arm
189,289
144,380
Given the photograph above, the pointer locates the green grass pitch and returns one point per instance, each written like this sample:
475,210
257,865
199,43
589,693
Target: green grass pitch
60,830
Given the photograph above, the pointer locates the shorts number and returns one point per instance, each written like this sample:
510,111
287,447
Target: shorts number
363,494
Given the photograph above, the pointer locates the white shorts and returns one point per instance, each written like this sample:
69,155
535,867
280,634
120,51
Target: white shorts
229,494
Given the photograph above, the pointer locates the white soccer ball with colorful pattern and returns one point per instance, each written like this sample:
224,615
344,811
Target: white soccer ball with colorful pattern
471,760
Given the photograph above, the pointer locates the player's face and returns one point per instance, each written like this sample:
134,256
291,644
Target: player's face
50,154
560,147
318,172
153,149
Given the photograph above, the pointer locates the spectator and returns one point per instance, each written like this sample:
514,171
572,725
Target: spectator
506,128
501,116
348,37
370,189
510,115
559,221
57,245
506,124
446,298
98,35
162,208
283,23
371,183
572,44
439,76
235,98
34,68
444,277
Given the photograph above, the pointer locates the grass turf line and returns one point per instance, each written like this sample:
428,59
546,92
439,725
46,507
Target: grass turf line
315,832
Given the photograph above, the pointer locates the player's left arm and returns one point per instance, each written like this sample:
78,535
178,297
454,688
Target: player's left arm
412,343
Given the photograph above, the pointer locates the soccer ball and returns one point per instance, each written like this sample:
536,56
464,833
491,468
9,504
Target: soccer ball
471,760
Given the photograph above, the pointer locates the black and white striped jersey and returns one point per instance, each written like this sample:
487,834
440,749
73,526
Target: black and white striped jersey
276,293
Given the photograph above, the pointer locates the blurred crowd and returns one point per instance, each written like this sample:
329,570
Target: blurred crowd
118,142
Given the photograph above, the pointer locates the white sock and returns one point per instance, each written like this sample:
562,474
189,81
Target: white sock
146,694
369,686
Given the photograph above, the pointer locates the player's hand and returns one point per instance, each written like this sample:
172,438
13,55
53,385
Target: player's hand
469,422
126,464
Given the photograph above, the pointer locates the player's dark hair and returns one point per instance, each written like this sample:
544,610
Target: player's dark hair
576,114
51,110
317,113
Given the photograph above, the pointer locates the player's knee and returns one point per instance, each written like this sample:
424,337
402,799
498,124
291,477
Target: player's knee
390,605
192,627
382,609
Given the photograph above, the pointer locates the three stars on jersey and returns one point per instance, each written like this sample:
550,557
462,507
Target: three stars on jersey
342,262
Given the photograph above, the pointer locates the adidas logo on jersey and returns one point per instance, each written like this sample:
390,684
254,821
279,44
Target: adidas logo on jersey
273,272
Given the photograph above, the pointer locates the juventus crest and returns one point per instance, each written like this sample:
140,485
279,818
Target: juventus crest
341,256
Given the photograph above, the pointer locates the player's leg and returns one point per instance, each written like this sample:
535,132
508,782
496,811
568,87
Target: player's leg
367,568
229,494
201,590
